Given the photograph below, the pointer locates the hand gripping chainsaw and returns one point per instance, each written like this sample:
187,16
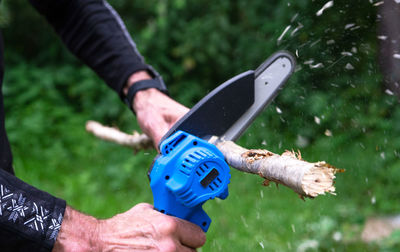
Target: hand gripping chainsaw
190,170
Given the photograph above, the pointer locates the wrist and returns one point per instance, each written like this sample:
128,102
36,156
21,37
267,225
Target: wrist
141,83
79,232
144,97
135,77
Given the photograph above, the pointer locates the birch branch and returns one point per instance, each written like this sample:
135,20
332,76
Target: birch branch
288,169
135,141
305,178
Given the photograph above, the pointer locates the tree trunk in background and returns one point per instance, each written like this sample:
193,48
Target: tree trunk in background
389,51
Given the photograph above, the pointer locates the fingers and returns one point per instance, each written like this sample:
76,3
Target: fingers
144,227
185,249
174,246
183,232
156,113
190,234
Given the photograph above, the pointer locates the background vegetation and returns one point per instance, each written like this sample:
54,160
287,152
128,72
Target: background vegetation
338,112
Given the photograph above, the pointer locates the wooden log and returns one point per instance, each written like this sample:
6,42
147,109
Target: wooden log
305,178
289,169
135,141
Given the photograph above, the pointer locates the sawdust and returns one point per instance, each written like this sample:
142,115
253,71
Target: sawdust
254,155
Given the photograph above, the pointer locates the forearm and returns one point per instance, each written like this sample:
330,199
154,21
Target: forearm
94,32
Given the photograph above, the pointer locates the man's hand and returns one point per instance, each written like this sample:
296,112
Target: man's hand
139,229
155,111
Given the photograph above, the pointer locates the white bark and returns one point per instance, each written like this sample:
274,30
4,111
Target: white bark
135,141
306,179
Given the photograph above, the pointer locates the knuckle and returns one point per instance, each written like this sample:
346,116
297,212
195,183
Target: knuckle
170,225
169,246
143,206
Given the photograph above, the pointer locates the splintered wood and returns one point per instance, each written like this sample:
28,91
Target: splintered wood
289,169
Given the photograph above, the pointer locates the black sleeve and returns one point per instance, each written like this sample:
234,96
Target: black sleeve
29,218
94,32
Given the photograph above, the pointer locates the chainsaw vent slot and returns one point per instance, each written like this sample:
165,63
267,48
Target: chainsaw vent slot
203,168
191,160
217,183
186,168
202,153
187,196
185,171
214,185
194,157
169,147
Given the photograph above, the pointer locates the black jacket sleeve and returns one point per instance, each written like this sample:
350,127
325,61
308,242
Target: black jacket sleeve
94,32
30,219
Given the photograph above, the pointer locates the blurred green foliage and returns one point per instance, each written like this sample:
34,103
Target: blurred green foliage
338,112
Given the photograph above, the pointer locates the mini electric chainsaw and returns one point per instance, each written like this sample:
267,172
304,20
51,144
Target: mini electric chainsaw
189,170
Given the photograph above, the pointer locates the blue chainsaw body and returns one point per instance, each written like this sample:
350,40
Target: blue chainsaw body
188,172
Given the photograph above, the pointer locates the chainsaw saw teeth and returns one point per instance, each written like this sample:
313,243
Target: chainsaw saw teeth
189,172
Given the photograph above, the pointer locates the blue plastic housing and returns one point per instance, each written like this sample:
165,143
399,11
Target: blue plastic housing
189,172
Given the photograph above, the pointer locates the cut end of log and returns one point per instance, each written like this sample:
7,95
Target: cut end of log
319,180
289,169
